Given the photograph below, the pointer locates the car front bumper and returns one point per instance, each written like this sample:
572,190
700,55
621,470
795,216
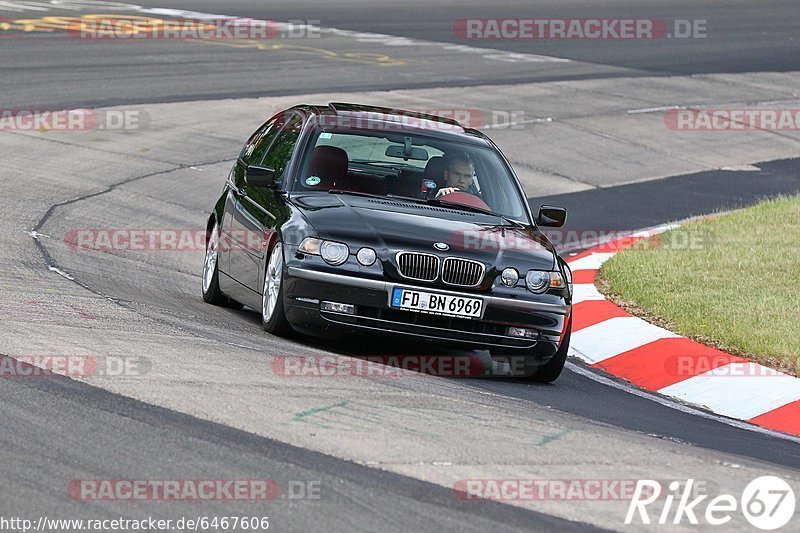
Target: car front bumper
305,289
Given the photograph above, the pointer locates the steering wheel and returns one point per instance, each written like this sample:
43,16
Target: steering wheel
465,198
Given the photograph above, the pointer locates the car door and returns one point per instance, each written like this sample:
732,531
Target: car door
233,242
256,210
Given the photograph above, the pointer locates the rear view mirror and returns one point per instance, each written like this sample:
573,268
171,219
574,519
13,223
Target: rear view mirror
259,176
400,152
551,216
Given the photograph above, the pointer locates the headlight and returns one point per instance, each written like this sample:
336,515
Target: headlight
334,253
509,277
539,281
366,256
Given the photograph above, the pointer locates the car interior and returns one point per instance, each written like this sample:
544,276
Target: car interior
390,166
334,170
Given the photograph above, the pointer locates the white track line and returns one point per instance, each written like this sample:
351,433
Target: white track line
738,390
677,405
615,336
592,261
582,292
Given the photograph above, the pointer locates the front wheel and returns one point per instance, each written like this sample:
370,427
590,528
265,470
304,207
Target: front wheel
549,372
273,316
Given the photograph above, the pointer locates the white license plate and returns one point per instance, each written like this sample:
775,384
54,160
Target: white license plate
437,304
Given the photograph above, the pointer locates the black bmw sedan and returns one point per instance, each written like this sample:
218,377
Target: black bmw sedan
346,218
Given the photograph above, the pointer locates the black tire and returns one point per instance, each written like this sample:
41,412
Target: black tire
211,292
549,372
274,318
522,366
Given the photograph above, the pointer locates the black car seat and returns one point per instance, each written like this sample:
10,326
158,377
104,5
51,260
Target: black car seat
434,171
329,165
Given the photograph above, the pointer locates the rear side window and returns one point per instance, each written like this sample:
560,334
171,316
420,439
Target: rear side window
282,148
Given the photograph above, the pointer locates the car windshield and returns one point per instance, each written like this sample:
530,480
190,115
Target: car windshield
411,166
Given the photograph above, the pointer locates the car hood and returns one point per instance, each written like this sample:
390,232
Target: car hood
390,225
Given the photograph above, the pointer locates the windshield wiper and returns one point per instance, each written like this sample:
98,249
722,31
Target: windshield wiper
464,207
356,193
381,196
407,198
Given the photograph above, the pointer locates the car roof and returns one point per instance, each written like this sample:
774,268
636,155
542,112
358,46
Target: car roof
395,120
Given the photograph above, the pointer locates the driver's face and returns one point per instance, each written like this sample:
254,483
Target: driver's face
460,175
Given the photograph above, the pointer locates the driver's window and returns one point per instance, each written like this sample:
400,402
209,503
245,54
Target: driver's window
254,150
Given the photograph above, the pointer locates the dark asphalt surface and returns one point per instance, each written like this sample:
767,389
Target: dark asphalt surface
55,70
100,434
650,203
740,37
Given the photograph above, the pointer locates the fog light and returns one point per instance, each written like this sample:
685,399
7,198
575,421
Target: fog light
337,307
522,332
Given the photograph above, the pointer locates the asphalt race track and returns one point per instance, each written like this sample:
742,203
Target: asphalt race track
742,37
384,453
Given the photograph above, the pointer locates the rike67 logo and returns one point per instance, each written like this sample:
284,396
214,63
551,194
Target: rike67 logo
767,502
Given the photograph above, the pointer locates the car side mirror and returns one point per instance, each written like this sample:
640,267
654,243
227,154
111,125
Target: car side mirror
551,216
260,176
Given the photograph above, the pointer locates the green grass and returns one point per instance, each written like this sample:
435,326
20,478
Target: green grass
732,282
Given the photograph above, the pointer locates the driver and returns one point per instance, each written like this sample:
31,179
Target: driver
459,174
